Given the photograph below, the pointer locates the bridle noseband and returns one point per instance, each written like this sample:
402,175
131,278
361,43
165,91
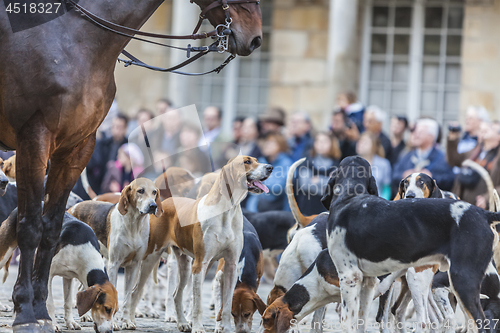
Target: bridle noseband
220,34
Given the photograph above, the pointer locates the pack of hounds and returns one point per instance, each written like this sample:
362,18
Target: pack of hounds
425,247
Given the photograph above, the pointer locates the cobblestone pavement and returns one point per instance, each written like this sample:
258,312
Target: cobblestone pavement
143,324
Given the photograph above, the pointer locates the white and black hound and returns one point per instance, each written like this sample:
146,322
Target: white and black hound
369,236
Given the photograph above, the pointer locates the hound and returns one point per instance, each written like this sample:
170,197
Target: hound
417,281
206,229
315,289
369,236
123,229
4,181
9,168
76,256
250,270
298,257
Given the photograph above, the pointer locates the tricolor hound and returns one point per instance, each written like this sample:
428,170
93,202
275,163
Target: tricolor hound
76,256
123,229
369,236
206,229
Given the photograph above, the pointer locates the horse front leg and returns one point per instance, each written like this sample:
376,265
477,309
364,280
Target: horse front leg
33,144
65,168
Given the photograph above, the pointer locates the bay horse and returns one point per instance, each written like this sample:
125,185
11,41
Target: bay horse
56,86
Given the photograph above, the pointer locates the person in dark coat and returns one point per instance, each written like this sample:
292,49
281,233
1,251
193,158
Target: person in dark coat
425,158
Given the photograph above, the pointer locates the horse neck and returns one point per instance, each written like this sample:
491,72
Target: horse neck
130,13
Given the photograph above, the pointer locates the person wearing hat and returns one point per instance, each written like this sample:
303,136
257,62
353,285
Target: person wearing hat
272,121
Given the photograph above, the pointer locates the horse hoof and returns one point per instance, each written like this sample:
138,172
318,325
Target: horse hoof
46,326
26,328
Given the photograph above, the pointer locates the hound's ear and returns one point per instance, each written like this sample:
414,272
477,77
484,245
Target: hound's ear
226,185
284,320
124,200
326,200
372,186
6,166
401,190
434,190
86,299
159,208
259,303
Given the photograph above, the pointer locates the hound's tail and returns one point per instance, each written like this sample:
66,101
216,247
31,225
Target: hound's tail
301,221
494,216
86,185
487,179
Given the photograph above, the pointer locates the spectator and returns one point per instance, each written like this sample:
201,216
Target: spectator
143,118
249,134
370,148
469,185
163,105
346,132
104,129
474,117
189,155
166,138
274,148
212,118
123,171
106,150
273,121
313,175
399,124
354,110
299,130
373,122
237,127
425,157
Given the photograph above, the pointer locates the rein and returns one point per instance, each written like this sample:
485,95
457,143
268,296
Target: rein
220,33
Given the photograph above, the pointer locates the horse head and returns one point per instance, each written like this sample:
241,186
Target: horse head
246,24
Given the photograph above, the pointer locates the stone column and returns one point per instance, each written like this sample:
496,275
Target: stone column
342,58
184,18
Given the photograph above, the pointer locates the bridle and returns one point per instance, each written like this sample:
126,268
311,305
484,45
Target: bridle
220,34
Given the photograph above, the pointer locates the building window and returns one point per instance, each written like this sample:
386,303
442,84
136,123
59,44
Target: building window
411,57
242,87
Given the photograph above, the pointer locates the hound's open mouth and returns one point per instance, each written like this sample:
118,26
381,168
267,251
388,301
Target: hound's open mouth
256,186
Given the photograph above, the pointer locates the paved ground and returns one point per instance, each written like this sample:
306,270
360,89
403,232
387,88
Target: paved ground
143,324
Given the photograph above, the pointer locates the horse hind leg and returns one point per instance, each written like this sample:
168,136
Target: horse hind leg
64,171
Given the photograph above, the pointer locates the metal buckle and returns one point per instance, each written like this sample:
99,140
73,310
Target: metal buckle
225,7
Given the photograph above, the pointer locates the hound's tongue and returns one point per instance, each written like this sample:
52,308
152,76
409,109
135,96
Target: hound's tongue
261,186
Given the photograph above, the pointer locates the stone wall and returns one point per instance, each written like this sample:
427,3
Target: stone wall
299,45
139,87
302,78
481,57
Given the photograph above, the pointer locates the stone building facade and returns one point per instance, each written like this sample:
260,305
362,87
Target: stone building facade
412,57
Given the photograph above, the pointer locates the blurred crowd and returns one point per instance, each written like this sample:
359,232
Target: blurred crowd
280,139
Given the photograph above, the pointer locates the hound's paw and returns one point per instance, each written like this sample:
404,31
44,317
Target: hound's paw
152,313
72,325
139,314
185,327
57,328
218,327
116,326
5,308
128,325
86,318
200,330
170,319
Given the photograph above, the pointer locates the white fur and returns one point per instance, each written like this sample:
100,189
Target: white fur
73,262
458,209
